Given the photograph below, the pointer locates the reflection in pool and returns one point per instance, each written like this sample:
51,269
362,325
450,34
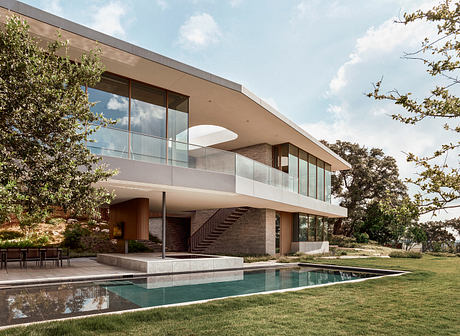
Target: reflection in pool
40,303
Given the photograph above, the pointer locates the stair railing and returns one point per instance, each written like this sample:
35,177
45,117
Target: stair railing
209,226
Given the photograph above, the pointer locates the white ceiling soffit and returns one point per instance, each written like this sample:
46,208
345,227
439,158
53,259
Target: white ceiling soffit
208,135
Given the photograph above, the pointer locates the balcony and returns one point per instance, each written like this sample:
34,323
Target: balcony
231,172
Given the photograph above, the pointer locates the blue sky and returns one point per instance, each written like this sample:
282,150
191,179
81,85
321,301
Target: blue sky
310,59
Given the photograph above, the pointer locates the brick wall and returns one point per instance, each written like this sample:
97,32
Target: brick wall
177,232
199,217
260,152
253,233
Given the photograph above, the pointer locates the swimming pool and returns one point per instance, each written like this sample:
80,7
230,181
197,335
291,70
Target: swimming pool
47,302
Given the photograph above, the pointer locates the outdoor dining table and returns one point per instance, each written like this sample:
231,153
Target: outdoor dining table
23,261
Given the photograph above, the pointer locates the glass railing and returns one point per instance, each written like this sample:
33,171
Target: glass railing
114,142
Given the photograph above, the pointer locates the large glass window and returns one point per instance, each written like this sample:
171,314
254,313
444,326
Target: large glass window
311,228
327,181
303,171
148,110
111,100
148,117
303,224
320,227
325,229
178,129
320,180
293,169
299,229
311,176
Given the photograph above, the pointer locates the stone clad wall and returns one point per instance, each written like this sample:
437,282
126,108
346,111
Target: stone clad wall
199,218
261,153
253,233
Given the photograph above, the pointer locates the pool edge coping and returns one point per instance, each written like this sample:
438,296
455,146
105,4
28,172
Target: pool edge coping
387,273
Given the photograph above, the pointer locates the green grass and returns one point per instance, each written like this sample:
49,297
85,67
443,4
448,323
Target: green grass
424,302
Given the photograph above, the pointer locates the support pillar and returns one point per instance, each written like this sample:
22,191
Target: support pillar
163,222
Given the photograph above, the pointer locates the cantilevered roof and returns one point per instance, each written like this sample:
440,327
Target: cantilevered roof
213,99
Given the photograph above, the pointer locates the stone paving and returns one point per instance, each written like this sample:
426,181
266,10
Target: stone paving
79,268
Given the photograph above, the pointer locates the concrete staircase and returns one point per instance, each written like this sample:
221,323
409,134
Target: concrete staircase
216,225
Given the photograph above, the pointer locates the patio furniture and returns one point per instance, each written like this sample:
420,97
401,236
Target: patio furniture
32,254
65,255
2,258
13,255
53,254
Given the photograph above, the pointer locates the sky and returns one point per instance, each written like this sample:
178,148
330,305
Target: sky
313,60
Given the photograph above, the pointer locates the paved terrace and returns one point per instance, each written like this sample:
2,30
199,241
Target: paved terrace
90,269
79,269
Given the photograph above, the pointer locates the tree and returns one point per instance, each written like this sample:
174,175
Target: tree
373,177
414,235
44,118
438,234
399,218
439,183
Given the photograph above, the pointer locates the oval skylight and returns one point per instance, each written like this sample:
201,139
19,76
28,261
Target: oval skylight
208,135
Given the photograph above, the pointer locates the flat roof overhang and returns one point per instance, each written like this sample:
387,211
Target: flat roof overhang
193,189
213,100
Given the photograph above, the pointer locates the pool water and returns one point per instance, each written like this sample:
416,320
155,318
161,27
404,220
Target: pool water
38,303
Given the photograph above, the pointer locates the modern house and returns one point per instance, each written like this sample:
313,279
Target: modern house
238,176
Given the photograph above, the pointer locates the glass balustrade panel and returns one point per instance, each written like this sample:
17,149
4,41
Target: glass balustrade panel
244,167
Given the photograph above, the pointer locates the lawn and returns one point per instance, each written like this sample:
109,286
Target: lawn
424,302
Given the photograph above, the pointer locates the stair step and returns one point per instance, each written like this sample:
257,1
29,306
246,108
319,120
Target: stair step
217,229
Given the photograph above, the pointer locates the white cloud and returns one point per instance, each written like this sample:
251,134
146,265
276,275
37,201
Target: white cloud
199,31
53,6
382,41
377,43
235,3
313,10
162,4
108,18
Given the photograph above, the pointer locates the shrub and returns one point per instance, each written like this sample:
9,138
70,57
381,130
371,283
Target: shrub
405,254
73,234
7,235
154,239
97,243
24,242
442,254
256,258
307,257
135,246
362,238
343,241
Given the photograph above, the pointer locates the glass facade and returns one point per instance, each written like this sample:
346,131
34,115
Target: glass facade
111,96
148,117
303,173
293,168
320,180
311,231
327,181
311,176
307,174
309,228
177,129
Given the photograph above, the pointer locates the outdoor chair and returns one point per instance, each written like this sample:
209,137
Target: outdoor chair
32,254
12,255
65,256
53,254
2,258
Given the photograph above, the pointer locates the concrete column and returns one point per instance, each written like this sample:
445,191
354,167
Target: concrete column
163,227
